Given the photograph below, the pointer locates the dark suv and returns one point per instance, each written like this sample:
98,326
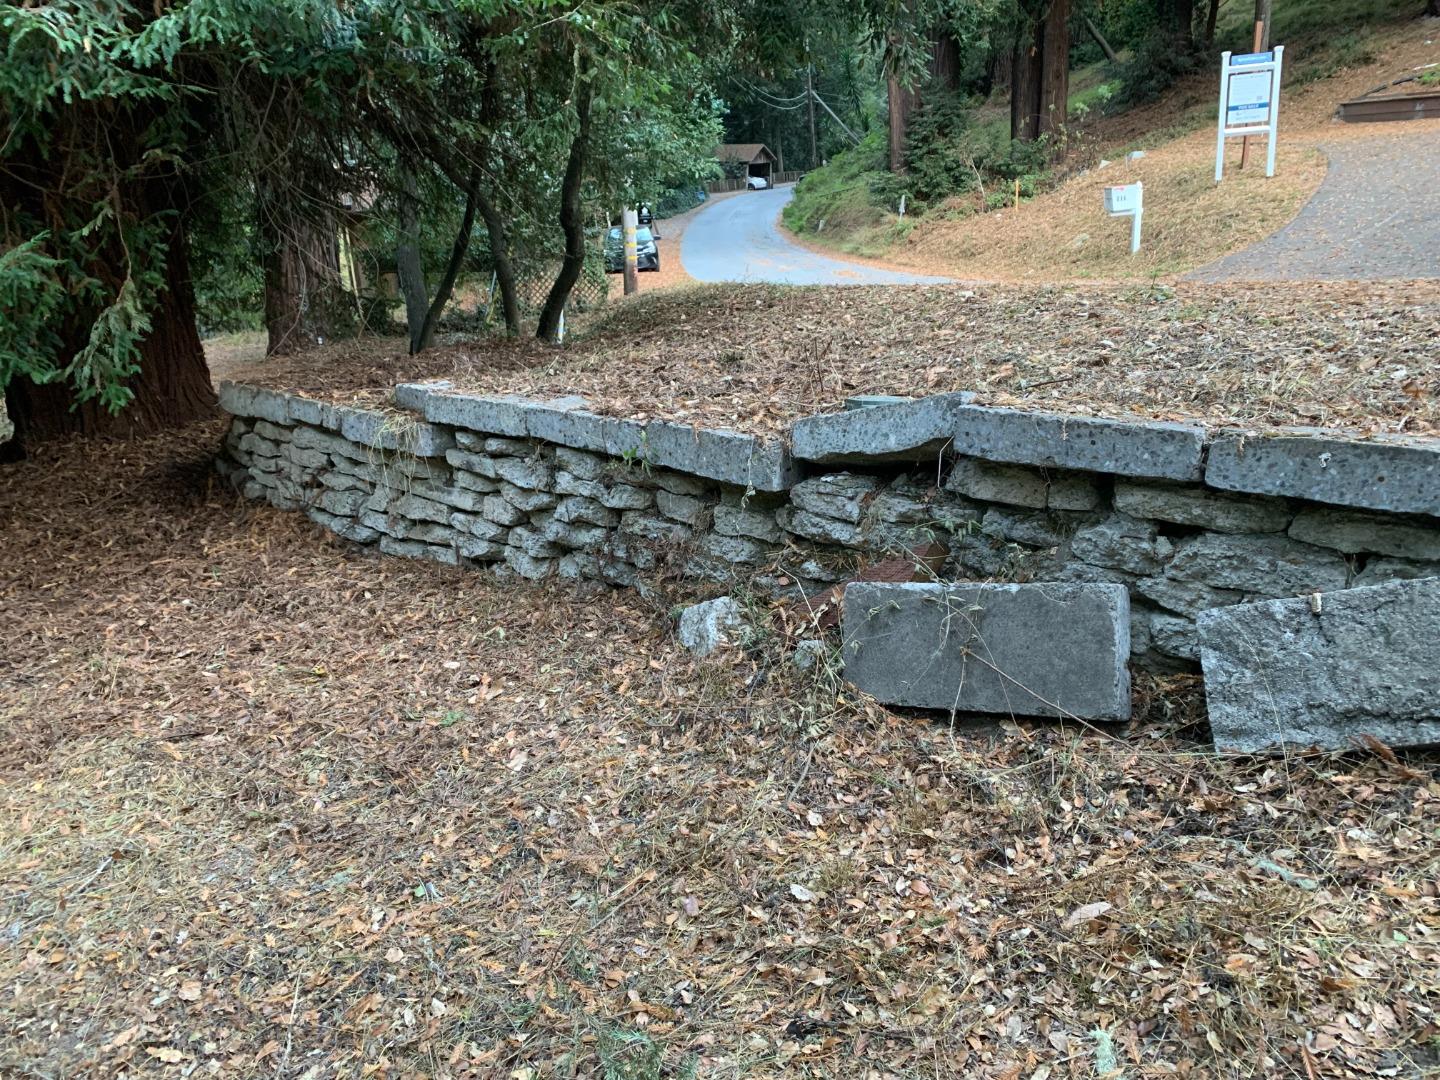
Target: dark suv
647,251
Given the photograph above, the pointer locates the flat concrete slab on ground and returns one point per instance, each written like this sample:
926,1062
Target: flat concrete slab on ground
1374,217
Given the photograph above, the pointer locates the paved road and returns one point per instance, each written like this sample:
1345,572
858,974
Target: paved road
738,240
1375,216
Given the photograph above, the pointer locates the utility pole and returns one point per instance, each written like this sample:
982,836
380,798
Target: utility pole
810,107
628,220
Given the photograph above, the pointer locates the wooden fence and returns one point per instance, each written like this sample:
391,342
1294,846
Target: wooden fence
715,187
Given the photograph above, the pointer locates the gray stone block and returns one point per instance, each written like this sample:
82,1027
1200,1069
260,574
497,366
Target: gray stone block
529,501
341,503
734,549
1352,533
823,530
475,482
1089,444
339,481
679,483
1073,491
478,527
898,506
1037,528
1396,474
898,430
239,399
1029,650
682,508
990,482
627,497
566,422
1121,543
577,508
841,496
637,523
502,511
727,456
580,464
1185,597
534,474
527,565
321,414
329,443
274,432
394,431
418,508
1174,635
506,447
479,464
344,527
1378,571
737,521
306,458
1261,565
489,414
461,498
532,543
1279,673
412,395
567,483
413,549
574,536
1196,506
712,625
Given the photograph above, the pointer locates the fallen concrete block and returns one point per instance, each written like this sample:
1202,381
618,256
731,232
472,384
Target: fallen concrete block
1378,474
1029,650
712,625
1326,669
1092,444
893,429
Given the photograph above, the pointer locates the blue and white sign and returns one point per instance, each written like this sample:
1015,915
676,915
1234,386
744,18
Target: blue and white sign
1249,102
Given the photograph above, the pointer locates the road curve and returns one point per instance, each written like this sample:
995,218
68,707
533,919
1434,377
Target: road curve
739,239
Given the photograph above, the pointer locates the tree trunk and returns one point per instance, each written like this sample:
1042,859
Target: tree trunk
1182,23
1055,70
571,220
1210,18
1263,16
500,259
1040,79
305,300
901,100
408,267
172,387
1433,8
1105,45
452,271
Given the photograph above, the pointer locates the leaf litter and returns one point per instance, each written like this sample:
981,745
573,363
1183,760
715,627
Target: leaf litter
1354,356
276,807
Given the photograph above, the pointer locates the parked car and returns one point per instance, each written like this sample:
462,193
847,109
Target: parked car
756,183
647,251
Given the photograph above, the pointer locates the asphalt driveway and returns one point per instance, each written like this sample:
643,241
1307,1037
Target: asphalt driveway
739,239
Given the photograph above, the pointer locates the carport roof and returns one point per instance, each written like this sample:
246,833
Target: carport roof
747,152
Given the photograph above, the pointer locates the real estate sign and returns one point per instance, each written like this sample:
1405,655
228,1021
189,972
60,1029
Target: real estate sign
1249,102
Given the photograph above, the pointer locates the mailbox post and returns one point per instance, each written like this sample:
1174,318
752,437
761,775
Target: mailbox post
1127,200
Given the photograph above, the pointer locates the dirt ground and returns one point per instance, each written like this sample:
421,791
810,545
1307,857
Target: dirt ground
273,807
756,358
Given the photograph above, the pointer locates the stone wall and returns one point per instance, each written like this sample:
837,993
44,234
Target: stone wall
541,489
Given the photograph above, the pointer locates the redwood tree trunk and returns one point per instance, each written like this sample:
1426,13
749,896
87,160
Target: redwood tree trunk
571,220
901,100
1040,78
172,387
304,299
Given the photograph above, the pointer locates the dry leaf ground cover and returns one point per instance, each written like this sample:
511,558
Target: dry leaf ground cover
758,357
275,807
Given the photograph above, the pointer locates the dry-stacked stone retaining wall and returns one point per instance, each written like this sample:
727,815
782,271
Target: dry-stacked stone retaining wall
1185,519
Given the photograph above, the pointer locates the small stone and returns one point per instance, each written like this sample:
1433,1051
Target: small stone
1036,528
1263,565
341,503
306,458
411,549
531,473
501,511
507,447
575,537
1193,505
627,497
527,565
1185,597
418,509
712,625
1174,636
734,549
1356,532
475,482
990,482
841,496
579,464
478,527
567,483
679,483
901,508
825,530
265,429
338,481
475,463
589,511
528,501
735,521
1072,491
1379,571
809,654
682,508
1119,542
651,527
532,543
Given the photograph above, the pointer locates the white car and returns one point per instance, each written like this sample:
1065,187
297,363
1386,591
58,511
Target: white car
756,183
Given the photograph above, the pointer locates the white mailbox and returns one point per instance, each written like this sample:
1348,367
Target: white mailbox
1122,199
1127,200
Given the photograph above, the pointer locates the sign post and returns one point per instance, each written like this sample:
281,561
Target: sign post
1127,200
628,220
1249,102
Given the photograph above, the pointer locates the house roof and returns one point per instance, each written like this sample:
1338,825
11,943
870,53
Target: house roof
748,151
